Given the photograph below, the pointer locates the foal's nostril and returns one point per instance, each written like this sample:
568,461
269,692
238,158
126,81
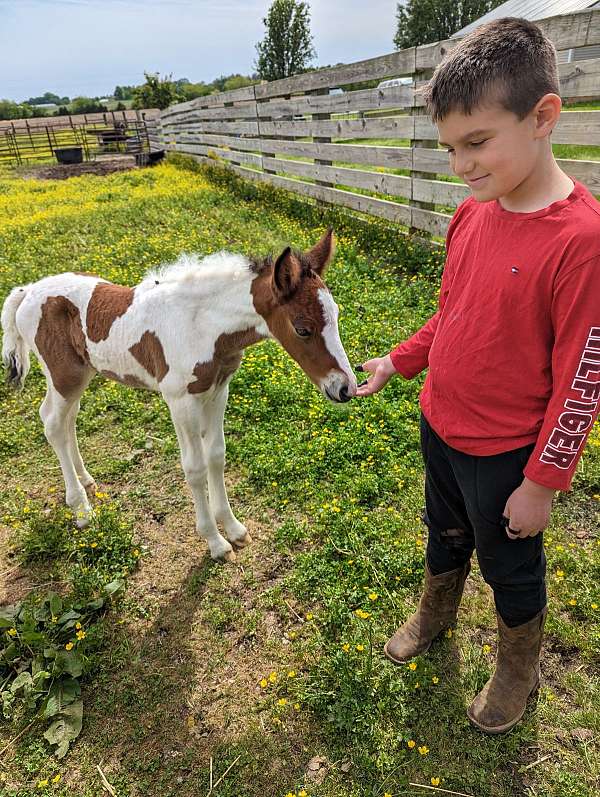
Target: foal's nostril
343,394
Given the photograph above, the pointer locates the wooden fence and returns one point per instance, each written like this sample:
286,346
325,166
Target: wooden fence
300,133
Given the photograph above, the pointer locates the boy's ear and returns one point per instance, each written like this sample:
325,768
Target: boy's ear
547,111
287,274
321,255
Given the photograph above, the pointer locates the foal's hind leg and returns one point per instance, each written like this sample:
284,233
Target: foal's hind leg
87,481
55,413
186,413
214,446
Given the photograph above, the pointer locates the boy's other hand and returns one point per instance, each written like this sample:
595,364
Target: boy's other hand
381,370
528,510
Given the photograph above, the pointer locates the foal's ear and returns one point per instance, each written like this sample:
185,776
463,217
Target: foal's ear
287,274
322,253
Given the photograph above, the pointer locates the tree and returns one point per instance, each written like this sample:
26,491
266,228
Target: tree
287,48
87,105
123,92
12,110
156,92
47,99
425,21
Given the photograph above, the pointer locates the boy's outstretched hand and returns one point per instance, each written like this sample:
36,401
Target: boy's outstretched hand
528,510
381,371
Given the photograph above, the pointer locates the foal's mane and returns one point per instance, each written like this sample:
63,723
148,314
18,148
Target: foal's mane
190,268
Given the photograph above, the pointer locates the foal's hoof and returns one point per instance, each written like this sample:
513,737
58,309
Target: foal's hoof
243,541
82,519
229,556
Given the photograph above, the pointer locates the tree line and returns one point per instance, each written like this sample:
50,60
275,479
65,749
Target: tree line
287,49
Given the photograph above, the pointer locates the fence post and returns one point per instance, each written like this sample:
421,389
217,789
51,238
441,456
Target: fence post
322,140
425,143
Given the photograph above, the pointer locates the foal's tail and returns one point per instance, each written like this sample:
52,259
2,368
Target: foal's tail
15,352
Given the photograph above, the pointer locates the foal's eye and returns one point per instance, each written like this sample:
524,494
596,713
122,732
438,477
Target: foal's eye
302,332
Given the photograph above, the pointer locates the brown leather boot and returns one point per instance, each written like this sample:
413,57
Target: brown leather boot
502,701
437,610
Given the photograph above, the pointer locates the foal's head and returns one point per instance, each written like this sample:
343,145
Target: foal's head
301,313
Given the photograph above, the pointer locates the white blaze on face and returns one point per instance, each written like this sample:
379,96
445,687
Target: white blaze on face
335,380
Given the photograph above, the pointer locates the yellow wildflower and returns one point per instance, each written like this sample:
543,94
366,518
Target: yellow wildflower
302,793
309,616
69,646
486,648
282,701
42,783
373,596
411,743
423,750
263,683
435,679
80,635
78,626
56,778
412,666
12,631
360,648
273,677
94,545
435,781
572,602
292,674
345,647
297,706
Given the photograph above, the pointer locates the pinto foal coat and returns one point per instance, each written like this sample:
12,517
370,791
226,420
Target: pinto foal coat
181,332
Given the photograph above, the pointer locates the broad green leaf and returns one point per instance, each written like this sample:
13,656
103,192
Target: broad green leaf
66,728
67,661
56,604
114,586
21,681
61,695
69,615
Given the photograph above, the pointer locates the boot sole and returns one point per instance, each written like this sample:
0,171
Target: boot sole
497,729
394,660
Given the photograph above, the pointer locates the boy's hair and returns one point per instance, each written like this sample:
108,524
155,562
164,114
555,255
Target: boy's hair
508,61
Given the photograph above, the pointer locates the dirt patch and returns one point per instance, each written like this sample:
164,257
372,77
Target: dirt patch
62,171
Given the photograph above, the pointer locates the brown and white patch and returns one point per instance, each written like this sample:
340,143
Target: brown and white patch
148,351
225,362
60,341
127,379
107,303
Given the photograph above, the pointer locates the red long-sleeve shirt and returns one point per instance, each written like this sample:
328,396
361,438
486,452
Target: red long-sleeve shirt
514,349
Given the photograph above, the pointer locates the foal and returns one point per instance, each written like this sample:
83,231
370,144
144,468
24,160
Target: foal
181,332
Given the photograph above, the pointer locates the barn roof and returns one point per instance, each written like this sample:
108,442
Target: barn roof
532,10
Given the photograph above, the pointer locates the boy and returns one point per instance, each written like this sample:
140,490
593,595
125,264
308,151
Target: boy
513,352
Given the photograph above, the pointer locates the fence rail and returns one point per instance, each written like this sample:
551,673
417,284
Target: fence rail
372,150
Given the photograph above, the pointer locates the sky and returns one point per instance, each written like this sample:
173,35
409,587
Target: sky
87,47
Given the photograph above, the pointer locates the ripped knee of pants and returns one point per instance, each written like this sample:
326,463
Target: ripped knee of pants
456,538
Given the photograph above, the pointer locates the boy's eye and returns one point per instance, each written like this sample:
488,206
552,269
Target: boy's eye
477,143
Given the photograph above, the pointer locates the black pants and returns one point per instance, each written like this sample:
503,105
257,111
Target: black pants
465,496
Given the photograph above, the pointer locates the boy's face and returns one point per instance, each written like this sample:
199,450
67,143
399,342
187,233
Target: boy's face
490,149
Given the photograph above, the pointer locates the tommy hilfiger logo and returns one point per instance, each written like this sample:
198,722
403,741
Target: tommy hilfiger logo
575,422
515,270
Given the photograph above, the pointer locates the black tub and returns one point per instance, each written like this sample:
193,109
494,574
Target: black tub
69,154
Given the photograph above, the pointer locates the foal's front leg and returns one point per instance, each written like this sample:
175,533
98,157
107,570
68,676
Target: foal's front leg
214,446
187,415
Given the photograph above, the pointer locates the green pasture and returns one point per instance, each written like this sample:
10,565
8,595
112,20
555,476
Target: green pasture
264,678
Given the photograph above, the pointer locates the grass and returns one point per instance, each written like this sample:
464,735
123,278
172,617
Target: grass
273,667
